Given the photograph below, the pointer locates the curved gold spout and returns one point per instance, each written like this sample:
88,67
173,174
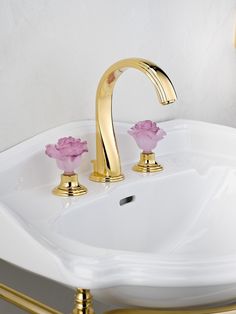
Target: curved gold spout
107,166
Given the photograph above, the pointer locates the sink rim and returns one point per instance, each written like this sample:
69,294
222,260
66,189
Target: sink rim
131,259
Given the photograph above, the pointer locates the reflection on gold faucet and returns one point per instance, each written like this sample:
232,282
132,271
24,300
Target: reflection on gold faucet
107,166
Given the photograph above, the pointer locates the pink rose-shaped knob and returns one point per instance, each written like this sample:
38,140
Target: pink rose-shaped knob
67,153
147,134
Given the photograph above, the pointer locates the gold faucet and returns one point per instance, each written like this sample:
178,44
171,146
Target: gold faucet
107,166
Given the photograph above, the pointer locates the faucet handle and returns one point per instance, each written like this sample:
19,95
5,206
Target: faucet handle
147,134
68,152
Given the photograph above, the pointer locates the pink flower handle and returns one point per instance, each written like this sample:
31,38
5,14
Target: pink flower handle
147,134
67,152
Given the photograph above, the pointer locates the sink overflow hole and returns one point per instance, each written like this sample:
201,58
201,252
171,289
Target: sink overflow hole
127,200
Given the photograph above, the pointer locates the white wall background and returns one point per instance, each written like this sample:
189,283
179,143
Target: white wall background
53,52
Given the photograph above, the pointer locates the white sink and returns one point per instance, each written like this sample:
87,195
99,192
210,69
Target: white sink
155,240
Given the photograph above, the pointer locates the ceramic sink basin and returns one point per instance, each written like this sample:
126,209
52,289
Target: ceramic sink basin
155,240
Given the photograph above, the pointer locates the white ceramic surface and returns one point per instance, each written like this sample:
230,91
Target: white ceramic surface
172,245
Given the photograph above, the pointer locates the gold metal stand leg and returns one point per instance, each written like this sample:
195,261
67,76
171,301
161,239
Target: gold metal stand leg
83,302
230,309
24,302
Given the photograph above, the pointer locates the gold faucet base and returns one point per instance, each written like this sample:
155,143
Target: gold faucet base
96,177
69,186
147,163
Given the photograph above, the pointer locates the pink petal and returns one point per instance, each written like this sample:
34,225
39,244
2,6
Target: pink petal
52,152
146,134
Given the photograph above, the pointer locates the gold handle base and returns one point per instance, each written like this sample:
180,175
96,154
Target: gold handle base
147,163
69,186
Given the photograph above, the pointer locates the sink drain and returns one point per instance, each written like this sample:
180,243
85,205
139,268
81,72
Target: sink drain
127,200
